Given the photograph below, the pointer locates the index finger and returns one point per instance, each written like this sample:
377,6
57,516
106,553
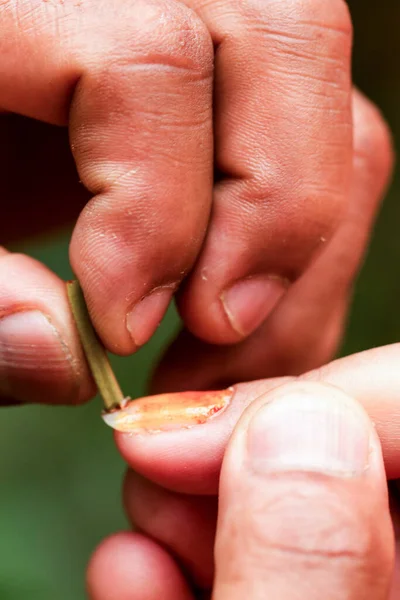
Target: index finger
136,90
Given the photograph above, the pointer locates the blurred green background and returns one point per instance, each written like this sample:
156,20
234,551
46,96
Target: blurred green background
60,473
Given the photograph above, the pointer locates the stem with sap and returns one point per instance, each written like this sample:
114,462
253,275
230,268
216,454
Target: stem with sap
96,354
156,413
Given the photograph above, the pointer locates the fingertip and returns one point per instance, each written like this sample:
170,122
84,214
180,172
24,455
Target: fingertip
303,477
249,302
41,359
130,566
174,520
312,427
187,458
228,313
181,461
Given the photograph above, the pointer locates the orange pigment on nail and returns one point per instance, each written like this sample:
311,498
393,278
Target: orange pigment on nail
169,411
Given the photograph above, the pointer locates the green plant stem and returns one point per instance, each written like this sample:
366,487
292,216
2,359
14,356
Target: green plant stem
95,352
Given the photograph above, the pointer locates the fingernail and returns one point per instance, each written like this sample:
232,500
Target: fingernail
168,411
306,433
33,357
249,301
147,314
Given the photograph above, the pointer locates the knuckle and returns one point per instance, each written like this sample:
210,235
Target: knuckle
174,36
324,208
163,33
295,15
104,223
310,523
192,41
314,36
302,226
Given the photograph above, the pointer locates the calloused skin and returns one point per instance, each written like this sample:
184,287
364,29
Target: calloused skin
109,119
209,524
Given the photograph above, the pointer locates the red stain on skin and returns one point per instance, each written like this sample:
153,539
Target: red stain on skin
169,411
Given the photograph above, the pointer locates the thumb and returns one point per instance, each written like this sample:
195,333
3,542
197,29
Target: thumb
303,501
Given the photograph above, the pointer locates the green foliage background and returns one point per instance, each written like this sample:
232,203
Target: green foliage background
60,474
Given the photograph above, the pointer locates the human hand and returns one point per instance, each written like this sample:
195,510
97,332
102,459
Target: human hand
303,506
288,214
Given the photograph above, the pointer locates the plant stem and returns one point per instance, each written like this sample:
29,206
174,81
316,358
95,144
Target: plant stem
95,352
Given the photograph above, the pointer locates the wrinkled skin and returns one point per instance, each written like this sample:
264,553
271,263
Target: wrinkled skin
262,258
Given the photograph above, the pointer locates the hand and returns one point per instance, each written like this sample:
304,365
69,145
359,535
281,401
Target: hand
303,504
264,254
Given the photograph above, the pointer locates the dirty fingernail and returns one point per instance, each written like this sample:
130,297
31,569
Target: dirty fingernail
168,411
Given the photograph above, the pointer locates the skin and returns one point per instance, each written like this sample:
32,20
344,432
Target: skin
292,530
108,119
114,104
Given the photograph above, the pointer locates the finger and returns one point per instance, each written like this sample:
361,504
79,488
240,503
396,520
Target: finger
40,354
175,521
283,131
190,363
178,440
303,501
136,88
306,328
129,566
